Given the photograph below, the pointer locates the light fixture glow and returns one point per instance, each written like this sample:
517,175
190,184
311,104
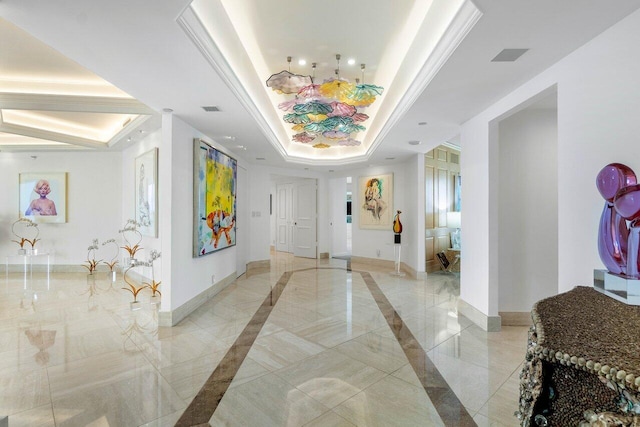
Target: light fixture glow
351,61
302,62
99,132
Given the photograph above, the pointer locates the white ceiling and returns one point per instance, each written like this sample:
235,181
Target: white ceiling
48,101
141,48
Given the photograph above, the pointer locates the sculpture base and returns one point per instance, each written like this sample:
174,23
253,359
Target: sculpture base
623,289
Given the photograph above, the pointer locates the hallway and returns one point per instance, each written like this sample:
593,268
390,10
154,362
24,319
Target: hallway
307,343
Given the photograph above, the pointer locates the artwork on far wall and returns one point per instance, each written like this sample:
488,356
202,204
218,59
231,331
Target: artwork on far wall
146,193
43,196
214,199
457,193
376,201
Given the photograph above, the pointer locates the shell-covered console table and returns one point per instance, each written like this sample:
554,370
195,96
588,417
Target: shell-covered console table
583,362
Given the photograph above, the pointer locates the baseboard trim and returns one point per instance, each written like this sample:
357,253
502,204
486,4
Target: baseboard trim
258,267
173,317
253,265
419,275
382,263
388,264
516,318
488,323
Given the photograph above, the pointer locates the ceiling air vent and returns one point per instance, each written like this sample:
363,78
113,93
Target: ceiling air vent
210,108
509,55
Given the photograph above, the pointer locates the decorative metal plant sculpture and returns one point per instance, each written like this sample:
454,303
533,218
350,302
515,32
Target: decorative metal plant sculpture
154,255
114,259
135,290
26,224
92,263
132,237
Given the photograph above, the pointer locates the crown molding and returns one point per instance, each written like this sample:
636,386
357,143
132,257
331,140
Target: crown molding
466,17
72,103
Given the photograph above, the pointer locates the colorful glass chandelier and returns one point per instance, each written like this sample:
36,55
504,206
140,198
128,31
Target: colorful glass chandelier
328,114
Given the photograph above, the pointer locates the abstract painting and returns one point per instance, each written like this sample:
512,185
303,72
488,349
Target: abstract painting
43,196
146,193
215,181
376,201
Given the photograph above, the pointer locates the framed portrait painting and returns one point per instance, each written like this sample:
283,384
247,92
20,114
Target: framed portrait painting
43,196
214,196
146,193
376,202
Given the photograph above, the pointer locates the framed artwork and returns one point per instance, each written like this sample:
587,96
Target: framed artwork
376,206
43,196
214,199
146,192
457,187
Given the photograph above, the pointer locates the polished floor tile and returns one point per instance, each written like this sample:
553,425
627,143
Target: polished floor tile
333,351
330,377
266,401
388,402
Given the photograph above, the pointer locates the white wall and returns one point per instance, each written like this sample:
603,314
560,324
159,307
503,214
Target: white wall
261,184
94,209
528,209
129,155
188,276
413,214
598,110
272,217
367,242
338,220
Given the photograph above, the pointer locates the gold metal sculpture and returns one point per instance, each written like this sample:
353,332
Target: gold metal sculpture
114,259
132,238
24,222
135,290
91,262
154,255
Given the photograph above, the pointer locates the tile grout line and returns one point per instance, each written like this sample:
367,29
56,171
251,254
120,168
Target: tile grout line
451,410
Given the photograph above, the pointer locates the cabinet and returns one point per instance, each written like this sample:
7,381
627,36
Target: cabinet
582,355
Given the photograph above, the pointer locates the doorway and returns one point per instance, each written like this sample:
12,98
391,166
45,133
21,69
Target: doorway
296,216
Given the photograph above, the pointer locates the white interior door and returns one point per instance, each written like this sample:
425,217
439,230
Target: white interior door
242,223
284,217
304,214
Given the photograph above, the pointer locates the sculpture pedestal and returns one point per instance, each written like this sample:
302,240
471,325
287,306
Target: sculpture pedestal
622,289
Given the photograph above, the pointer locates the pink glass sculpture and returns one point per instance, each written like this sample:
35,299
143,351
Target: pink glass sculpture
627,204
613,233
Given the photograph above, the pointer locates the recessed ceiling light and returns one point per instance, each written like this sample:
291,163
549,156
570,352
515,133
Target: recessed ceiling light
229,137
351,61
129,139
210,108
242,147
260,158
390,158
302,62
422,123
141,131
331,170
167,110
415,142
306,169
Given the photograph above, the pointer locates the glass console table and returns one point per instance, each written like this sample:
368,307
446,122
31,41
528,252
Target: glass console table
26,260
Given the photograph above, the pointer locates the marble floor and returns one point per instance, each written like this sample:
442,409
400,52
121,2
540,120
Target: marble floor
308,343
